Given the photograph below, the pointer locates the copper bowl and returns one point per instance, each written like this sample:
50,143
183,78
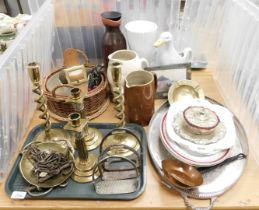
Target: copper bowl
181,174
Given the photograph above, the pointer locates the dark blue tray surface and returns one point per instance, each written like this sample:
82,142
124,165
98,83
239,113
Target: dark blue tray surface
74,190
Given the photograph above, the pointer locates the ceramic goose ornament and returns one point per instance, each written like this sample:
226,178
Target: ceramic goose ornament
167,54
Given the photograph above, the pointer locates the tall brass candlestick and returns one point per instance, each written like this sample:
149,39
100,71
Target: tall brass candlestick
118,93
86,139
49,133
85,162
34,73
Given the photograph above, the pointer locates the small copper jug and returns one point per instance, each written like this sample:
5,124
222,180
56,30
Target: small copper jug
139,90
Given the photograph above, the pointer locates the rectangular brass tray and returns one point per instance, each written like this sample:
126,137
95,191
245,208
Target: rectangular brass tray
74,190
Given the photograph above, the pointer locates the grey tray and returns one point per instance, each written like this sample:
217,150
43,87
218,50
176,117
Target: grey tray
74,190
217,181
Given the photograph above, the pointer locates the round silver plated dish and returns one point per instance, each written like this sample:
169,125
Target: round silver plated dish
217,181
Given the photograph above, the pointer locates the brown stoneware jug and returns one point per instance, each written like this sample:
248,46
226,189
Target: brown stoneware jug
113,39
139,91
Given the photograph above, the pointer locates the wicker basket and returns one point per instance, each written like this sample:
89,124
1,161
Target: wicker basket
95,102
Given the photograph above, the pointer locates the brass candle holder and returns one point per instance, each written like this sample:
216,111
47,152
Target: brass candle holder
85,162
49,133
92,136
120,136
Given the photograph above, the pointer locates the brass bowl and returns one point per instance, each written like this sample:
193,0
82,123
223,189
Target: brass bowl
185,89
26,164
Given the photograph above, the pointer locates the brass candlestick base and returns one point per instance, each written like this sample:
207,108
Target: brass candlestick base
92,137
84,169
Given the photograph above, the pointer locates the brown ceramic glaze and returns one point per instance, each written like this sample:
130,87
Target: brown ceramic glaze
111,23
139,91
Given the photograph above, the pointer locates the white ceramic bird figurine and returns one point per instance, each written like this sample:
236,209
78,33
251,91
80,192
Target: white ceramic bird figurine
167,53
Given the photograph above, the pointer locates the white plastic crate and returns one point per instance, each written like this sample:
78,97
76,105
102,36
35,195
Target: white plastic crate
236,70
210,27
16,106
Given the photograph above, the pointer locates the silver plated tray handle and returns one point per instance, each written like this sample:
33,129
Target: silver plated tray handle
190,206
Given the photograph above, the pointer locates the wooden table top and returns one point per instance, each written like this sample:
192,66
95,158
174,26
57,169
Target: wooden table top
244,195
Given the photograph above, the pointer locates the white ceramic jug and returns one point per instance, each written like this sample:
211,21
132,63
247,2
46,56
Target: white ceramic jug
129,60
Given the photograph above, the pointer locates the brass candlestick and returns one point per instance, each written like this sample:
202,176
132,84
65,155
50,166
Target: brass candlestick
49,134
118,94
85,162
120,137
92,136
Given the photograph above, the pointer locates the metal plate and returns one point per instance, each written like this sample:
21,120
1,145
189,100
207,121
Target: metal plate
217,181
184,89
74,190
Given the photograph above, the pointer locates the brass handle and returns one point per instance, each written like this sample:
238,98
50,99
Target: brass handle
38,194
70,57
53,92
